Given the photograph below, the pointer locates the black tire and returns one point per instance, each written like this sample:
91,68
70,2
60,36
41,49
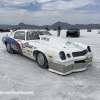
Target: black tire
9,49
41,60
77,35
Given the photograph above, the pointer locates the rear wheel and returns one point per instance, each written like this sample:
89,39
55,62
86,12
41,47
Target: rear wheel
9,49
41,60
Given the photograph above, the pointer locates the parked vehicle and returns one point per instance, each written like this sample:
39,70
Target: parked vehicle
6,30
73,32
57,54
1,30
88,30
15,29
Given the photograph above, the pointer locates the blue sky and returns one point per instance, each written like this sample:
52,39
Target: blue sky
47,12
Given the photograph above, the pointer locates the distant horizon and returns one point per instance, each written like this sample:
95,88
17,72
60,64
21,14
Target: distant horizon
48,24
63,25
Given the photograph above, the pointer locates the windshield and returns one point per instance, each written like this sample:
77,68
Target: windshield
34,35
44,33
73,29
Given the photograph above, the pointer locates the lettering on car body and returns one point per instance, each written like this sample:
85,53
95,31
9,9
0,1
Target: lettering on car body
68,43
14,47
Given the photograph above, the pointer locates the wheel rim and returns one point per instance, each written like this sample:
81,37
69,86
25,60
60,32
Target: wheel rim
8,47
40,59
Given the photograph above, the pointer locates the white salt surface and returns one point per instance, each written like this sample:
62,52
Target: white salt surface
19,73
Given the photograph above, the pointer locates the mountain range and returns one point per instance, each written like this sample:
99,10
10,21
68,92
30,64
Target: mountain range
63,25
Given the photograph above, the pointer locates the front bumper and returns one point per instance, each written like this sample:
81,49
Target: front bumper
64,70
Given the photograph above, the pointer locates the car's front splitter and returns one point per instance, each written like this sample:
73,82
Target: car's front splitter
64,70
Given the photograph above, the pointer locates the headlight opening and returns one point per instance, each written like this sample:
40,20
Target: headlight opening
68,55
62,55
88,48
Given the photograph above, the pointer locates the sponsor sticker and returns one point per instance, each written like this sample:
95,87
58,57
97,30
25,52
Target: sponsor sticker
28,50
44,38
29,53
50,56
35,47
24,52
51,60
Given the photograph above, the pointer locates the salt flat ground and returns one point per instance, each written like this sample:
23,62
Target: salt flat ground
19,73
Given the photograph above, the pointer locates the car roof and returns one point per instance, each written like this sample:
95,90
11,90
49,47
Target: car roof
26,30
73,28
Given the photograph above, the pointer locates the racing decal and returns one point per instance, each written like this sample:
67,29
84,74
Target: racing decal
51,60
68,43
29,53
28,50
44,38
24,52
14,44
14,47
35,47
19,48
50,56
19,41
26,45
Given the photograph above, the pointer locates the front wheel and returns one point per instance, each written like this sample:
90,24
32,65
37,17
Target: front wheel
42,60
9,49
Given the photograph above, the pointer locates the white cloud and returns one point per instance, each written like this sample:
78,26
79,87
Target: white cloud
65,5
16,2
51,12
15,16
21,2
43,1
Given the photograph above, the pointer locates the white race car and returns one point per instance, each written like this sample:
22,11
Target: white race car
57,54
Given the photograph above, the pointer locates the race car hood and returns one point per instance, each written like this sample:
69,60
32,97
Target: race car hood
58,42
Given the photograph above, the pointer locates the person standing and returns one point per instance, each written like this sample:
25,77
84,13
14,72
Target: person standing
46,28
59,29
